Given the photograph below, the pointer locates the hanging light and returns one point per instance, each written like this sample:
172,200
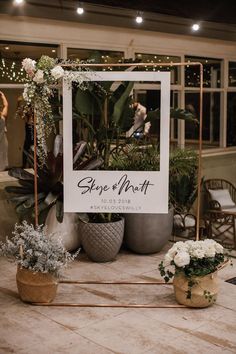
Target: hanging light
139,18
18,2
196,27
80,9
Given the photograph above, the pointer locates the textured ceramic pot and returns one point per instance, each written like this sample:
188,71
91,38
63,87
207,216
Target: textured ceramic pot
207,283
35,287
102,241
148,233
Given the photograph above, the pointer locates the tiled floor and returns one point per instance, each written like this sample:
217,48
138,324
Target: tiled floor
48,330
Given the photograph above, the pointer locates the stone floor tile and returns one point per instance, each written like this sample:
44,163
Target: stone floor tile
188,344
186,318
134,264
130,333
25,331
227,295
220,333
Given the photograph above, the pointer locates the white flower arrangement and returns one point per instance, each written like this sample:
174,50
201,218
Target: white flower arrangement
29,66
39,77
42,77
31,248
192,259
57,72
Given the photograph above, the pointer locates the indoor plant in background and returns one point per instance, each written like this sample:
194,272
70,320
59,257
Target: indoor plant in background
194,266
39,258
148,233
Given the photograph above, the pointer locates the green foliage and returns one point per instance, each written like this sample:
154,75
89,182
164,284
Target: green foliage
50,183
183,167
136,157
103,217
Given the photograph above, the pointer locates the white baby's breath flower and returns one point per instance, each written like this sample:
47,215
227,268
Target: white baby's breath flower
182,259
57,72
39,77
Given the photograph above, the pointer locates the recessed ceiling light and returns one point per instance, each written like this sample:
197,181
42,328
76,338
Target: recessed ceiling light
195,27
19,2
80,9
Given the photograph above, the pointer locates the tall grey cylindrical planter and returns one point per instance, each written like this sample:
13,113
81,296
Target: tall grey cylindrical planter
148,233
102,241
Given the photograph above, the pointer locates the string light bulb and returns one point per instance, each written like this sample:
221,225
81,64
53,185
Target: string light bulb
196,27
18,2
80,9
139,18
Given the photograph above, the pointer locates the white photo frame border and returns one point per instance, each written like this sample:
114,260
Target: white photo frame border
156,198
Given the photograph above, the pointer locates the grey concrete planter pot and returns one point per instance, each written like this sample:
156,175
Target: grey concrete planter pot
148,233
102,241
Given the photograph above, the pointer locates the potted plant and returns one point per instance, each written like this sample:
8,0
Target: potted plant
50,193
148,233
102,235
39,258
194,266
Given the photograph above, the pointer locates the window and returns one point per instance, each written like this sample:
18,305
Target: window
211,72
231,119
96,56
211,118
12,54
232,73
154,58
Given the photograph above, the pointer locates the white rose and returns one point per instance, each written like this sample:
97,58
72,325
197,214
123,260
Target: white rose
39,77
210,252
167,260
57,72
28,65
182,259
198,253
172,251
219,248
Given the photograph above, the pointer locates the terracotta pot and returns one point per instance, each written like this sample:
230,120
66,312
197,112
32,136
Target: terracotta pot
206,283
35,287
102,241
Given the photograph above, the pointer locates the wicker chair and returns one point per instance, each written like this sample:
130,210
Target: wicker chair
184,226
220,215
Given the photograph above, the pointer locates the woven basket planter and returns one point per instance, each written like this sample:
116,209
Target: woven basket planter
35,287
208,283
102,241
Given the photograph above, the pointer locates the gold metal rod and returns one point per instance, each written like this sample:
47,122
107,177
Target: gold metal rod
151,306
199,174
130,64
114,282
35,173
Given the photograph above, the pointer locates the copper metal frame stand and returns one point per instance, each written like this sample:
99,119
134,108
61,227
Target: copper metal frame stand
121,305
198,192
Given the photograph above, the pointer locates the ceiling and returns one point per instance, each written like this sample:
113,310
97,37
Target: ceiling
223,11
217,17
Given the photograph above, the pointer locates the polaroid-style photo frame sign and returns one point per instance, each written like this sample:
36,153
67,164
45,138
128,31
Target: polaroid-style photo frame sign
117,191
